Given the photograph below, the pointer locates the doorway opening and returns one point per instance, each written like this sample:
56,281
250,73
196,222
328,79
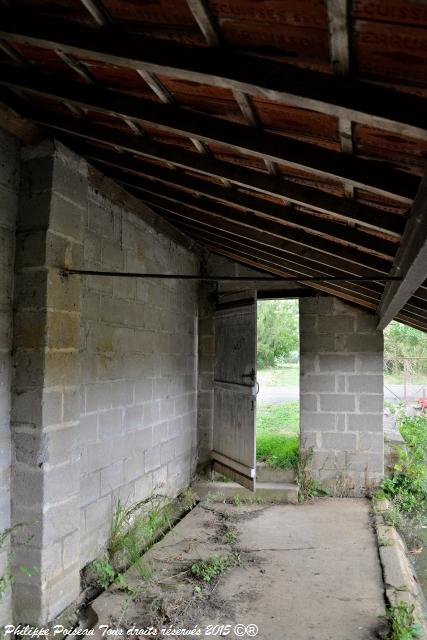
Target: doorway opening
277,419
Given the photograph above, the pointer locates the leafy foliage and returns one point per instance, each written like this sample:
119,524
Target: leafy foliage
402,622
407,486
401,340
208,569
277,331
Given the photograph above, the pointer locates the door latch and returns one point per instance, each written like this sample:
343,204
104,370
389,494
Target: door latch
250,375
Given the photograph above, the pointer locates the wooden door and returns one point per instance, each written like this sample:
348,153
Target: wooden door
235,389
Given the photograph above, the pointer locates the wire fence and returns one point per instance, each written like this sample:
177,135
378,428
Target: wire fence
405,380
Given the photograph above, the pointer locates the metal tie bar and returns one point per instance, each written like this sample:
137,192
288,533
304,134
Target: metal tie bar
174,276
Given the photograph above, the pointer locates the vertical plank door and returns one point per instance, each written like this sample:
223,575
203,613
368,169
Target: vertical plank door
235,389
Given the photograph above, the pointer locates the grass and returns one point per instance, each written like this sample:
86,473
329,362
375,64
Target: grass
278,418
277,440
286,375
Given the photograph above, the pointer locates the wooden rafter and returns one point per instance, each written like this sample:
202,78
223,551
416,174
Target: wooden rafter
410,261
272,233
376,177
356,100
306,196
98,12
268,210
340,60
362,215
206,21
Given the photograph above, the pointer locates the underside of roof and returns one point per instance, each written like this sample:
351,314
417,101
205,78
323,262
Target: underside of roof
290,136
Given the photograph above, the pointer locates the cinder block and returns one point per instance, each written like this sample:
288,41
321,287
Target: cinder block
60,519
112,256
61,368
61,482
335,324
337,402
309,402
98,513
112,477
371,403
314,421
31,449
70,549
365,383
89,428
370,363
336,363
144,486
365,422
316,342
110,423
66,218
366,322
373,442
312,382
90,488
358,342
320,305
339,441
152,458
133,418
98,396
143,390
123,394
366,462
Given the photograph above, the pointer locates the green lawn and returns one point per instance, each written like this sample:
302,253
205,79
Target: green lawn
285,376
277,434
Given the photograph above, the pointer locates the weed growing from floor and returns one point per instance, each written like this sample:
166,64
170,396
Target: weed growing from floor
309,488
406,488
134,528
402,623
206,570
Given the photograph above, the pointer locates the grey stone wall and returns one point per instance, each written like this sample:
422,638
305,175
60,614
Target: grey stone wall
9,183
341,393
45,404
139,368
205,373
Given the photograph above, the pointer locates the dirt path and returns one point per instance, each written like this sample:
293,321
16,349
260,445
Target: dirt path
308,572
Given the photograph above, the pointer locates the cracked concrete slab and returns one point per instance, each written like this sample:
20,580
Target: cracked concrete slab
307,572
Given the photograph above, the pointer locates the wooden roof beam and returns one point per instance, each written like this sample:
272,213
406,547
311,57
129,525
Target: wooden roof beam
128,169
410,262
356,100
313,238
287,216
377,177
246,178
98,12
206,21
269,233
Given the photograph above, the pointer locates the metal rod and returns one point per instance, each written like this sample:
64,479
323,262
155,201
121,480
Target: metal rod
173,276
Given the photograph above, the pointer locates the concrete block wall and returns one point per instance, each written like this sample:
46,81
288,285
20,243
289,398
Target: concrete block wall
205,373
341,387
139,368
9,186
46,383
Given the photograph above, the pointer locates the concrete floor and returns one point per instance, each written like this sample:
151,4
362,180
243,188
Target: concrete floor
308,572
317,577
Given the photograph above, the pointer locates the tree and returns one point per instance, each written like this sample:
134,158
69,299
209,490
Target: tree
401,340
277,330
